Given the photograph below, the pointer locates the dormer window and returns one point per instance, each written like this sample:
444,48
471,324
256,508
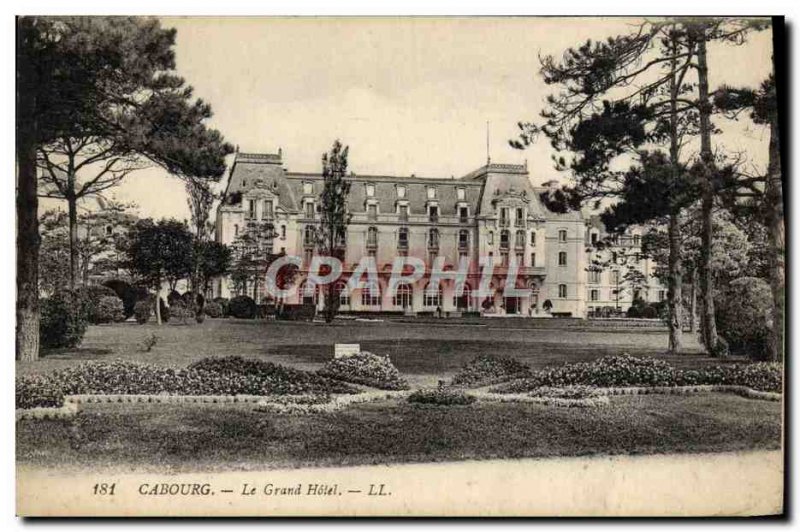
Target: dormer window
267,215
461,194
401,191
520,219
433,213
463,214
372,212
503,217
251,209
431,193
403,212
308,188
370,190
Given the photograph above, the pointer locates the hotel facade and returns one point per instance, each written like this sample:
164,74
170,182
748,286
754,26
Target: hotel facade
493,214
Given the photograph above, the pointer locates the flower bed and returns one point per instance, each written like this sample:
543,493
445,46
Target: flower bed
487,369
441,396
128,378
625,371
365,368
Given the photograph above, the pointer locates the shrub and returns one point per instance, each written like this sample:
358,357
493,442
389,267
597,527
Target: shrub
200,317
129,295
91,295
237,365
743,313
649,312
440,396
165,312
180,312
301,312
108,309
173,297
365,368
213,310
62,321
634,312
130,378
224,303
37,391
625,371
242,307
487,369
142,310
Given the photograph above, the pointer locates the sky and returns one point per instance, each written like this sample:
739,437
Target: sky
409,96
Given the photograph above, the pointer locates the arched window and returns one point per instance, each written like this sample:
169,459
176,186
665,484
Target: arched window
371,295
504,238
403,296
433,298
464,301
562,258
341,291
308,293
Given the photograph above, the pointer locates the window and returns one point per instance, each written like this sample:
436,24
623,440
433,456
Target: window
402,238
431,193
490,238
403,296
308,188
310,209
520,218
370,295
662,295
463,214
463,239
594,295
520,259
533,238
615,277
562,258
235,229
401,191
594,237
504,259
520,239
433,238
504,237
283,232
372,237
594,276
309,236
372,212
562,235
461,194
251,209
533,260
562,291
308,254
403,209
308,293
503,217
462,302
370,191
433,298
267,214
340,289
637,240
433,213
109,230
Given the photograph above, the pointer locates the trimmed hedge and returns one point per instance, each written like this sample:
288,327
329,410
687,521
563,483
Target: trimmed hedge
242,307
626,370
109,309
226,376
142,311
213,310
440,396
365,368
488,369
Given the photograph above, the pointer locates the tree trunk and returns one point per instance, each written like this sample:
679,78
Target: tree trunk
74,259
674,286
27,331
707,318
693,315
777,241
158,301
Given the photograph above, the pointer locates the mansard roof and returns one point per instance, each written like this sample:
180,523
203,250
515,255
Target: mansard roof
481,187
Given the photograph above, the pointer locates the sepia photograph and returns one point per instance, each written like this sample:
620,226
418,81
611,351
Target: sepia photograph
457,266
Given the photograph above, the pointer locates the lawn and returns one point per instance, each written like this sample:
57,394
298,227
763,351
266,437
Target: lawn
425,351
184,438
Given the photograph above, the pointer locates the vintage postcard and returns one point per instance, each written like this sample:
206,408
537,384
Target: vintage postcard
399,266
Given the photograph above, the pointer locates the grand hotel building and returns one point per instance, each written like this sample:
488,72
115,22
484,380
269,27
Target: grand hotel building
494,212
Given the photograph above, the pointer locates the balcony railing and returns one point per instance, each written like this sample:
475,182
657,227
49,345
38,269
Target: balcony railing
372,243
504,222
434,218
402,245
